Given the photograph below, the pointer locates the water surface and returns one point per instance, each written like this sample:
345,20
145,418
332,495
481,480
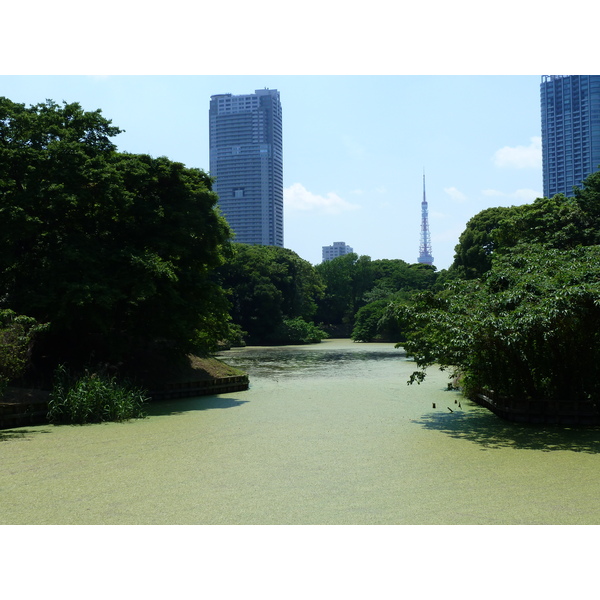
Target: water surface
327,434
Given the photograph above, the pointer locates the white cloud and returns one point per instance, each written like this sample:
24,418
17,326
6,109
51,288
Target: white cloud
520,157
523,195
455,194
297,197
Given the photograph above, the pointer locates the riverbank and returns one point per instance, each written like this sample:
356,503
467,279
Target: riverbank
20,407
584,413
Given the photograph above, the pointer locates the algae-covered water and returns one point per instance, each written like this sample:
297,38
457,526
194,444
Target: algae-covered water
327,434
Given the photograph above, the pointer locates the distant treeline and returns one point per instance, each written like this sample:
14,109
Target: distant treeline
269,287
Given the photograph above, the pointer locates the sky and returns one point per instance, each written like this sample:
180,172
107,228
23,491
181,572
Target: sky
355,147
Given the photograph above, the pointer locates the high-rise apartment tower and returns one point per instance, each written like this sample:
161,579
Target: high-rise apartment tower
335,250
246,159
570,109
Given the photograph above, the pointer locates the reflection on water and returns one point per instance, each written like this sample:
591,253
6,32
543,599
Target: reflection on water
322,360
183,405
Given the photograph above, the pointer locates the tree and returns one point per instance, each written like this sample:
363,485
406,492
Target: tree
521,320
399,275
347,278
529,329
297,331
266,286
17,334
588,199
352,282
476,245
374,322
114,250
558,222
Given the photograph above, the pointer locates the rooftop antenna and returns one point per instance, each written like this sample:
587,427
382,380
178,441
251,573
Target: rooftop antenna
425,256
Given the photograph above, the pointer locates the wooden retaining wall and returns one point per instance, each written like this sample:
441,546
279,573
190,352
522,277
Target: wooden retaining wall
204,387
33,410
24,411
542,412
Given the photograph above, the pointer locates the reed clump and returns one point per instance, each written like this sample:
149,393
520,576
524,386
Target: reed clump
93,398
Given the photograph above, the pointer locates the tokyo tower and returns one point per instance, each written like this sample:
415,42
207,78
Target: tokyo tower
425,256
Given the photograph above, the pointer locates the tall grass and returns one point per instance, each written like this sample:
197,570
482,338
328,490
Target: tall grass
93,398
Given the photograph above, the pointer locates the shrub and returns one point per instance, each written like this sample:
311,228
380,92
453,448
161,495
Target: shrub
93,398
298,331
374,322
16,340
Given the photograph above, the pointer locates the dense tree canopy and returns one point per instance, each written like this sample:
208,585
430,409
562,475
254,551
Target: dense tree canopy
375,322
523,320
529,328
346,280
115,251
353,281
476,245
399,275
266,286
559,222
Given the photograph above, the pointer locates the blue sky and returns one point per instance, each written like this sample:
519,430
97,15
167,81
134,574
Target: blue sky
355,147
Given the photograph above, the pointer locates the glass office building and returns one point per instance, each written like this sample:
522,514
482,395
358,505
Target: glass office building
570,109
246,159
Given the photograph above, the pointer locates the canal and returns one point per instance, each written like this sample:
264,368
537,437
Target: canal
327,434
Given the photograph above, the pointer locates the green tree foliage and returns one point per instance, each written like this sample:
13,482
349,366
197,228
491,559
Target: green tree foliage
558,222
588,199
374,322
17,334
476,245
266,286
297,331
398,275
336,303
115,251
347,278
528,329
523,323
353,283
